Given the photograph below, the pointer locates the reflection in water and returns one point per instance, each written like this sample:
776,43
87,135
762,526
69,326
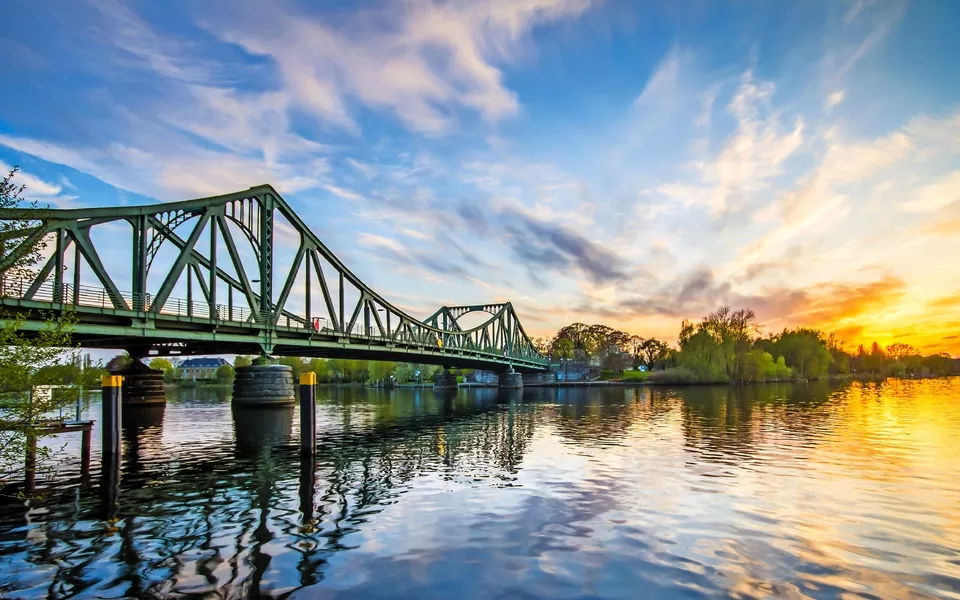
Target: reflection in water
759,491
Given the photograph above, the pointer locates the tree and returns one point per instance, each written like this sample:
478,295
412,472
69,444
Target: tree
295,363
804,350
654,353
563,348
898,352
617,361
225,373
733,333
699,352
29,359
242,361
14,234
542,345
161,364
321,367
380,370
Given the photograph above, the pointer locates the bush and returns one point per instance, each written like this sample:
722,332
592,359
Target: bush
675,376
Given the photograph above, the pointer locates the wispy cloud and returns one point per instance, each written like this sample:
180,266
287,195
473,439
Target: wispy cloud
388,59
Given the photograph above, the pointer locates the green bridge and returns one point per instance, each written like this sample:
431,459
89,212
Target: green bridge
218,258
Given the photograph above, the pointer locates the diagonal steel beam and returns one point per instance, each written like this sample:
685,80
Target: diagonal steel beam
173,275
288,285
82,239
252,299
327,299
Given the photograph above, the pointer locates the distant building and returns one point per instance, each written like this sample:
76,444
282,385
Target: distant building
200,368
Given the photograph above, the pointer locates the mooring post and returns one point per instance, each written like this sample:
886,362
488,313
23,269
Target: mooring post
308,412
110,415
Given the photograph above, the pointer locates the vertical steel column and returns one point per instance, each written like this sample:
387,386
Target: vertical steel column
308,300
58,269
342,320
366,318
213,269
110,415
266,257
76,273
308,412
140,264
189,291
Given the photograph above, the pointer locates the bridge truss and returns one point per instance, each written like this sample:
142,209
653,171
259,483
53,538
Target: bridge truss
238,273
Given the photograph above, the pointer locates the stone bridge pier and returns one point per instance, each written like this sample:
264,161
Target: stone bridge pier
268,384
510,380
141,384
445,380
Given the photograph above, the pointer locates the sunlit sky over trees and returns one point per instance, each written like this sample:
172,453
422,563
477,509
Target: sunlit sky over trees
620,162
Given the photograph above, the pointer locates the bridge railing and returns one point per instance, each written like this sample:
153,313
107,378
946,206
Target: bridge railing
98,298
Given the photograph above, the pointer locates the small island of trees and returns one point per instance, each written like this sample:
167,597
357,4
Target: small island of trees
726,347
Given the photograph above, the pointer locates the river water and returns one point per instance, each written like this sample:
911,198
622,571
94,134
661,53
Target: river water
784,491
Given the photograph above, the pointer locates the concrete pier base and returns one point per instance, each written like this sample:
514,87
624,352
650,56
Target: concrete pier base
445,381
142,385
264,385
511,380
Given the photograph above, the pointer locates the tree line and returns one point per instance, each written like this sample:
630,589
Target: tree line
332,370
726,347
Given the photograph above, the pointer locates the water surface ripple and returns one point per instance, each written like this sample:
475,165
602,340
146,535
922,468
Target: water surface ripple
779,491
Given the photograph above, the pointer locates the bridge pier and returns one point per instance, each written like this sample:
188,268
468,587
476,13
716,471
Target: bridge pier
264,385
445,381
141,384
510,380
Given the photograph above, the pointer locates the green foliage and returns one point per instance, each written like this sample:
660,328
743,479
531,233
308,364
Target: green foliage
654,353
242,361
296,363
161,364
723,348
804,350
759,365
563,348
14,233
225,373
635,376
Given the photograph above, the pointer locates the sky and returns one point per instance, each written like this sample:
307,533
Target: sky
617,162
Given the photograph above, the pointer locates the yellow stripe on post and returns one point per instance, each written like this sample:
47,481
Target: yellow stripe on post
111,381
308,378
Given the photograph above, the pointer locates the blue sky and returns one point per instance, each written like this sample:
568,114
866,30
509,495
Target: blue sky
620,162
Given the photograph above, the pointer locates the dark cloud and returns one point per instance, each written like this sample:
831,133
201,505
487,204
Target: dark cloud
553,246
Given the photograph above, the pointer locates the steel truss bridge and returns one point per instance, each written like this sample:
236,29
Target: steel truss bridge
234,274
